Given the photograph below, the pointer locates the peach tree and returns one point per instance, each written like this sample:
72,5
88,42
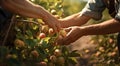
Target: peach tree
35,42
106,53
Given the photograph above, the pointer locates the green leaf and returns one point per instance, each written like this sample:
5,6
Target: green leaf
3,51
20,36
74,54
31,42
72,60
44,44
13,62
47,39
17,29
65,50
40,21
29,33
42,52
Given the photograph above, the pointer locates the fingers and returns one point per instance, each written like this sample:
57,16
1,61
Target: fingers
71,36
67,29
65,40
60,42
55,29
58,26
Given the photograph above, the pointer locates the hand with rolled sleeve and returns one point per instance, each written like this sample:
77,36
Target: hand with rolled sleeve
93,10
75,32
28,9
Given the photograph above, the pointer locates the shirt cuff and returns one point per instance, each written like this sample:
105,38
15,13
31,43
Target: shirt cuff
94,15
117,17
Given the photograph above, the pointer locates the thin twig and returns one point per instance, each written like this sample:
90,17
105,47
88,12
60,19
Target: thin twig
26,21
8,30
12,22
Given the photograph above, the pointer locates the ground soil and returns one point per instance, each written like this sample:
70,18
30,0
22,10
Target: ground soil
80,44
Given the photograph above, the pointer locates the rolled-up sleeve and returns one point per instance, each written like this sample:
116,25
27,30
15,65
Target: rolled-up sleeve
94,9
117,16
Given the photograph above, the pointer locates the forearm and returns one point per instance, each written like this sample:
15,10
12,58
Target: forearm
74,20
26,8
107,27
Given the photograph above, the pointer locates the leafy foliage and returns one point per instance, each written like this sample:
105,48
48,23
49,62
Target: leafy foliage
35,42
107,50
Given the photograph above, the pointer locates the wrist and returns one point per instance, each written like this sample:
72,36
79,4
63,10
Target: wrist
91,29
62,22
43,14
85,30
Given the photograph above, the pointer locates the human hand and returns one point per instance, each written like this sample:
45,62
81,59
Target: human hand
54,23
73,34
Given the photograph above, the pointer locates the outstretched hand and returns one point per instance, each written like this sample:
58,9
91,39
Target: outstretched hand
53,23
74,33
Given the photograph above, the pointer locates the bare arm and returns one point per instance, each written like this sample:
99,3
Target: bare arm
28,9
25,8
74,20
107,27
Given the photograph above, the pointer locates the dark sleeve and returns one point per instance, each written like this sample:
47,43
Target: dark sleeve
0,2
117,16
94,9
4,17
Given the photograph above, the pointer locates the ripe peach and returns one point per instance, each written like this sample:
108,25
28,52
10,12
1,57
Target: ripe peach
61,60
116,49
51,64
42,35
101,49
113,54
97,54
35,53
57,16
51,31
63,33
19,43
57,52
53,12
45,28
53,58
87,51
8,56
111,41
42,64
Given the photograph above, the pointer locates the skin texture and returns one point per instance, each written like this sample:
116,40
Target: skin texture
74,20
76,30
28,9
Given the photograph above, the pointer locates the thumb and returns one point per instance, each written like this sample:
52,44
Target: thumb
67,29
